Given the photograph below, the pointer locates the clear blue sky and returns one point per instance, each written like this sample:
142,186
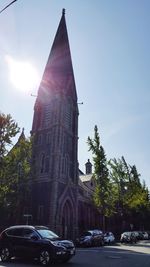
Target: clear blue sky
110,45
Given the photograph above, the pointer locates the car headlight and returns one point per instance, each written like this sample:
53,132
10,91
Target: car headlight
57,244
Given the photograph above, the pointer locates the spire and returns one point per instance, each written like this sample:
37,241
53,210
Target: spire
58,74
63,11
22,136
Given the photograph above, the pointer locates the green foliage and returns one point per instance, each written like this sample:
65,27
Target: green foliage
8,129
118,187
132,196
16,174
15,167
103,198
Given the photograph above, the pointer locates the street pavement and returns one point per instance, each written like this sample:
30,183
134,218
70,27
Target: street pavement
120,255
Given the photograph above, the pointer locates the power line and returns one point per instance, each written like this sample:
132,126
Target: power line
7,6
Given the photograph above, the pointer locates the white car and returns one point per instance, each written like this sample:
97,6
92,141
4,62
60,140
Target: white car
109,238
145,235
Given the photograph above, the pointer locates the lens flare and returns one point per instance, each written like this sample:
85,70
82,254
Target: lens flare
23,75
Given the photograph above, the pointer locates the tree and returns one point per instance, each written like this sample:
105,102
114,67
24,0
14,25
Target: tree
132,198
120,177
15,188
14,166
8,129
103,198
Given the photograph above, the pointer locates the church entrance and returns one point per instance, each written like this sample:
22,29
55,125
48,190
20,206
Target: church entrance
67,220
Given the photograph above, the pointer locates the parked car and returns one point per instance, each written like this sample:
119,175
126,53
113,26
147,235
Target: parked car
145,235
148,232
128,237
138,235
91,238
35,242
109,238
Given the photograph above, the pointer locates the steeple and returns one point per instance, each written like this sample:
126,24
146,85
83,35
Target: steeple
55,140
58,75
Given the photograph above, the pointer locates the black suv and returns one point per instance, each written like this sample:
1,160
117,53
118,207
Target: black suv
36,242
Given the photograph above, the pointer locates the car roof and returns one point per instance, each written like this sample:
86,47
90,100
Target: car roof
26,227
20,226
94,231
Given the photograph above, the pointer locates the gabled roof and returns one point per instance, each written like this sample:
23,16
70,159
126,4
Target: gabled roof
86,177
87,182
80,172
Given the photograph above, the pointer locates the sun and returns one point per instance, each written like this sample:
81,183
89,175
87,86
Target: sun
23,75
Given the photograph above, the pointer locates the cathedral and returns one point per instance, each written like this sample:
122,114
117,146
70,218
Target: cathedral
61,195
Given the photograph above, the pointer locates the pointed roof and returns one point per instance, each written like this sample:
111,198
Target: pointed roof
58,74
22,136
20,139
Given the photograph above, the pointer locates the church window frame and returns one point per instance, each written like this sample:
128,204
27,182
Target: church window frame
63,165
46,165
39,139
42,162
48,138
67,166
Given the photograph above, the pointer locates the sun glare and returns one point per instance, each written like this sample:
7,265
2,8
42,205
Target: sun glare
23,75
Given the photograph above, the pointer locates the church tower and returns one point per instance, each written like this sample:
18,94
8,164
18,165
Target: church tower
55,142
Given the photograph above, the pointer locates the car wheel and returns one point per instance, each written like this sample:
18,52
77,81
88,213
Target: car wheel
5,254
44,257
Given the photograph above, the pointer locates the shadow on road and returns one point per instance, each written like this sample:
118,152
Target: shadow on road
19,262
140,248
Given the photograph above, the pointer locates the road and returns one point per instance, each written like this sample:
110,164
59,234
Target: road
108,256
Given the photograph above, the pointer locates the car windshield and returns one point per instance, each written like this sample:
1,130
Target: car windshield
86,234
106,234
45,233
127,233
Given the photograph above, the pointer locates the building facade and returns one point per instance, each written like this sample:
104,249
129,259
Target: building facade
59,198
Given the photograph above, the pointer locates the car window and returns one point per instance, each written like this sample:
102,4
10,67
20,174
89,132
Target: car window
95,233
47,234
15,232
28,233
86,234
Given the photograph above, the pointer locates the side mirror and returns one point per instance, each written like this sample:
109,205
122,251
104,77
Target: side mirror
34,237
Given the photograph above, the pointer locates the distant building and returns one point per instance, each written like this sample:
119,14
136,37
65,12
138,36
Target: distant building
61,194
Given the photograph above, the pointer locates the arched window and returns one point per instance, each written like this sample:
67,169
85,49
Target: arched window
67,166
48,138
42,163
47,164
